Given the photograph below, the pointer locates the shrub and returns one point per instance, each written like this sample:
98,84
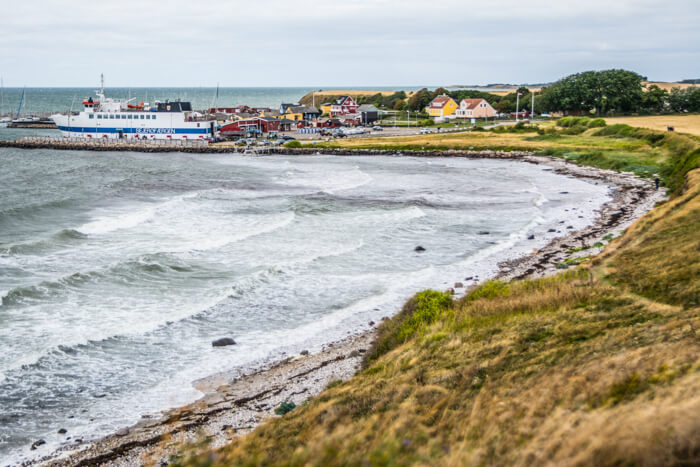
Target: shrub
567,122
417,314
596,123
292,144
489,289
285,407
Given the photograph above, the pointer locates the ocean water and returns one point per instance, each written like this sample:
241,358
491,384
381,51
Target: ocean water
51,100
117,270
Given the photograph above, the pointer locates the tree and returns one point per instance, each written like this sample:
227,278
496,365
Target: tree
399,105
654,98
420,99
599,91
505,106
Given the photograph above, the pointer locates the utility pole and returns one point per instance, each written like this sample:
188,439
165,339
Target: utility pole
532,108
517,105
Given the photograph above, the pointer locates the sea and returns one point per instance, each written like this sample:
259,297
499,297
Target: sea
44,101
119,269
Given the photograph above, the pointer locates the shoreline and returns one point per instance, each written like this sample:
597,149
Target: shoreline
236,407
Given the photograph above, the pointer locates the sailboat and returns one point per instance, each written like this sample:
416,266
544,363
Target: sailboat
19,119
3,120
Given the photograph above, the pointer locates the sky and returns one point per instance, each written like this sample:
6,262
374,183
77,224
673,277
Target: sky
342,42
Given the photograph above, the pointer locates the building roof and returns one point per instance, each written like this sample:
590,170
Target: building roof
284,107
473,103
367,108
440,101
341,100
303,109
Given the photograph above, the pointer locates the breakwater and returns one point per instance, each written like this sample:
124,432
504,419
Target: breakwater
75,144
35,125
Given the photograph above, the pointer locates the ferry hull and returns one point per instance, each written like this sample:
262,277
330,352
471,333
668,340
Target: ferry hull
78,127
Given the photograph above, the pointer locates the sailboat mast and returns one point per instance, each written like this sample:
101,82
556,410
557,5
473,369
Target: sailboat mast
21,101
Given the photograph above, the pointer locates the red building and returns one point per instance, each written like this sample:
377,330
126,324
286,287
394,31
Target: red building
344,105
264,125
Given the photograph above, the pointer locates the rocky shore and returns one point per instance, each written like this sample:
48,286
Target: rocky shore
234,406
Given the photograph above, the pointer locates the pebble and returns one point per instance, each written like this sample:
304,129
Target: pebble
419,248
354,353
37,443
458,285
304,352
62,431
122,432
371,323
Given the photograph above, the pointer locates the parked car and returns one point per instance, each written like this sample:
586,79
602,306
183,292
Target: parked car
287,138
425,131
377,128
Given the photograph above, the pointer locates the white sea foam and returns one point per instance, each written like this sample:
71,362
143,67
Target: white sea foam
129,216
279,269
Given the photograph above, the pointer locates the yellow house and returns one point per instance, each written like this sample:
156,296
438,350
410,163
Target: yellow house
442,106
326,108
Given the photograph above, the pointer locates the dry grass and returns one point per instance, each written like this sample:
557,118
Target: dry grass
489,140
681,123
554,371
352,92
511,91
668,86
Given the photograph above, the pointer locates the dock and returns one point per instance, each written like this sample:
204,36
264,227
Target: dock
34,125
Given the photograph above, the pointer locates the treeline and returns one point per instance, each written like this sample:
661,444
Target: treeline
396,101
598,93
612,92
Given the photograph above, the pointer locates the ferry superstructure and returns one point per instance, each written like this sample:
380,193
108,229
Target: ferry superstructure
111,118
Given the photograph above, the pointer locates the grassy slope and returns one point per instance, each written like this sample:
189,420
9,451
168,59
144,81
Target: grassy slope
599,365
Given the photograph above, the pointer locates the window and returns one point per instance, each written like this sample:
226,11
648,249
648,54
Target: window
117,117
111,116
124,117
130,116
99,116
142,117
153,116
92,116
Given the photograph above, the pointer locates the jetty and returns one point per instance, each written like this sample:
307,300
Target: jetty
204,147
43,125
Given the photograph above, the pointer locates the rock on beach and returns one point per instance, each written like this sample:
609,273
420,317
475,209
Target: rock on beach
224,341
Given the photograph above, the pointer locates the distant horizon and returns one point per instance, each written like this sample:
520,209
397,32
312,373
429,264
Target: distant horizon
320,87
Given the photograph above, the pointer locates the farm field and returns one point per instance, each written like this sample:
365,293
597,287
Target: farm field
681,123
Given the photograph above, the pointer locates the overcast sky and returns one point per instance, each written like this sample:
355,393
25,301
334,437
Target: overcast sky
342,42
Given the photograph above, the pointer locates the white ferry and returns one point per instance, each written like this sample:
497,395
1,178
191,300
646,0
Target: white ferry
110,118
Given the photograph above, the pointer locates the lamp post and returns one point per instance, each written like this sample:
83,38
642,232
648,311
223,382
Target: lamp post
517,105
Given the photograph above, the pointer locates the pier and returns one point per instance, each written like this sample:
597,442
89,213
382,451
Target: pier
43,125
